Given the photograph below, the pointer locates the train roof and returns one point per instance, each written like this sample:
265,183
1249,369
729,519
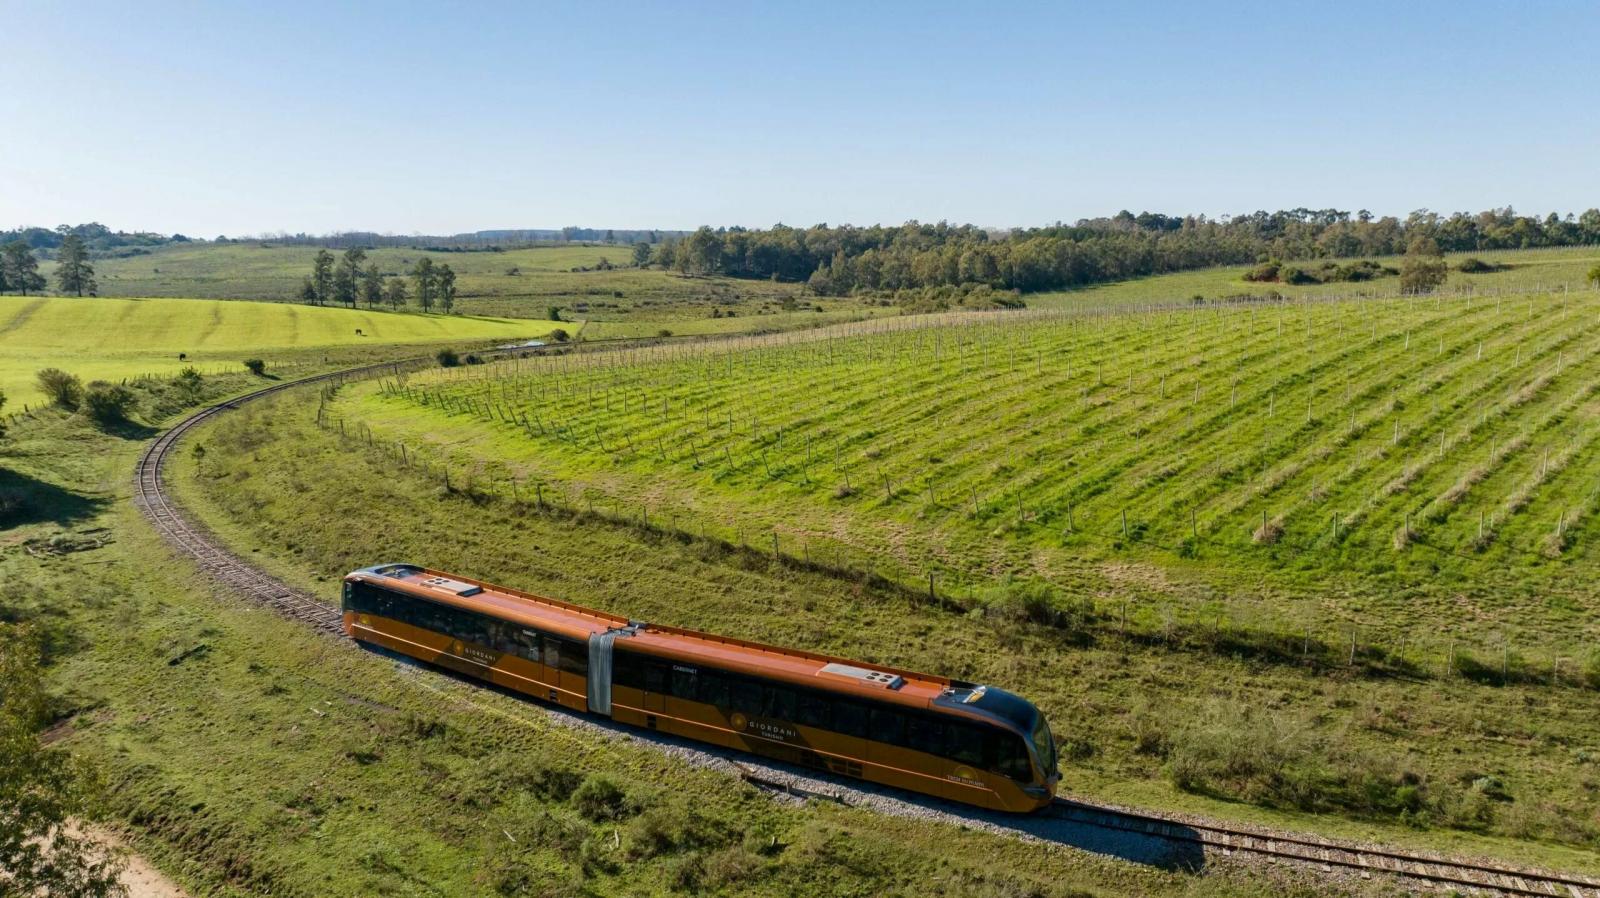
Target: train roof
874,681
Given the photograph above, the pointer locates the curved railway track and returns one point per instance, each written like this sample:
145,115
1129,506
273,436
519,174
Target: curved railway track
1437,871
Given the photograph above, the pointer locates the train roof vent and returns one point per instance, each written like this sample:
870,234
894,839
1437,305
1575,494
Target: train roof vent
454,587
863,675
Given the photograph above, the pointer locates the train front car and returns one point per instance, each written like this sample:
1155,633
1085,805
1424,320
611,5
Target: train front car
1032,786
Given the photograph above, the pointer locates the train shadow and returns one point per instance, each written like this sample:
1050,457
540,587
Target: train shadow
1063,824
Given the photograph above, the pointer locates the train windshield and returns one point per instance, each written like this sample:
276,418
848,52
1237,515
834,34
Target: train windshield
1017,711
1044,744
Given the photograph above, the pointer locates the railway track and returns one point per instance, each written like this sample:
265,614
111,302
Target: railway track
153,501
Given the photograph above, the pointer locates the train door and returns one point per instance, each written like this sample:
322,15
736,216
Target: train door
655,688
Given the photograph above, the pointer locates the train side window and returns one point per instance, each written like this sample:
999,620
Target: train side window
780,702
888,725
519,641
1011,757
683,683
574,658
926,734
813,710
711,687
745,697
964,744
552,651
655,677
627,670
850,719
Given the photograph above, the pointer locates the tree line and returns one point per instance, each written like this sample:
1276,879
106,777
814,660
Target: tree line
350,279
840,260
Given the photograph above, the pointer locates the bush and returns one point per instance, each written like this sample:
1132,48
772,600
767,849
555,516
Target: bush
107,403
599,799
553,313
560,335
1476,266
1229,750
448,358
189,380
663,333
473,358
64,389
256,366
1266,272
1291,274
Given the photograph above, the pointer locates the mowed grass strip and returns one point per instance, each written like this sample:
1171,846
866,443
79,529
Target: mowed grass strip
1367,441
111,339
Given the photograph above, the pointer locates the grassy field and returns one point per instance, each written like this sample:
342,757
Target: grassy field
520,283
1443,762
113,339
1526,270
1417,471
247,756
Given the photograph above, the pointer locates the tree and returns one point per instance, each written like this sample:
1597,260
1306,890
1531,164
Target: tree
74,274
560,335
1594,275
1423,268
256,366
347,276
20,268
64,389
394,292
447,288
42,790
372,286
308,291
426,278
641,254
554,313
322,275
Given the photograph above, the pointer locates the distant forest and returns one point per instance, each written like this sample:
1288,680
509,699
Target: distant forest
840,260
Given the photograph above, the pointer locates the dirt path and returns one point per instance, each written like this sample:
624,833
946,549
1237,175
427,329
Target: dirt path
138,877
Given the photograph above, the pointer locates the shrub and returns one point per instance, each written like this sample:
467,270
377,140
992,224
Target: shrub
560,335
448,358
1292,274
107,403
189,380
64,389
473,358
663,333
1265,272
599,799
256,366
553,313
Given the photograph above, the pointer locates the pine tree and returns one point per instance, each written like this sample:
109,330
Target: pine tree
447,288
426,278
322,275
372,286
347,277
74,274
395,293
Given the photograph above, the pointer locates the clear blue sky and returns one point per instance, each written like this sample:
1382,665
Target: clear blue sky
244,118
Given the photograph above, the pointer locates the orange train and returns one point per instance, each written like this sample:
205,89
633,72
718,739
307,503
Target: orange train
955,740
